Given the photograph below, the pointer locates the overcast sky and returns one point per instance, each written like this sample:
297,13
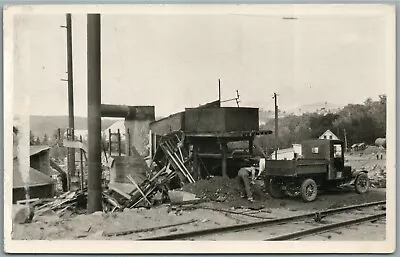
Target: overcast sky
174,61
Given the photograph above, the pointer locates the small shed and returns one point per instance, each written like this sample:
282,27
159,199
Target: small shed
40,158
39,184
329,135
39,181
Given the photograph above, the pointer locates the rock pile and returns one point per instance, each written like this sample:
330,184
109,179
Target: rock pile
378,177
215,189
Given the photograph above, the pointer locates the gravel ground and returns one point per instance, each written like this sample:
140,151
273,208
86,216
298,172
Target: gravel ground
94,225
222,194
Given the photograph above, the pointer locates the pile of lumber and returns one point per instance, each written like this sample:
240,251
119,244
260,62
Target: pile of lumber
66,201
172,147
170,161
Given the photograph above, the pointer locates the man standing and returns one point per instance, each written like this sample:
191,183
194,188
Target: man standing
246,177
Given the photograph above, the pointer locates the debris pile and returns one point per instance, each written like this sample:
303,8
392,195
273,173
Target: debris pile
75,202
378,176
170,163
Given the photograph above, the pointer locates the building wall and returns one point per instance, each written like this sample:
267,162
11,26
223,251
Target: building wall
166,125
287,154
41,162
45,191
138,136
224,119
128,165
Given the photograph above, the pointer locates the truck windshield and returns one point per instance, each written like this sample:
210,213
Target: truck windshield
337,151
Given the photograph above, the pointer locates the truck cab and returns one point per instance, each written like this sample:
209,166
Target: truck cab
331,151
320,165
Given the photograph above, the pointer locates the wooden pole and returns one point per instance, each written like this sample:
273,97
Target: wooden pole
224,159
71,151
251,145
109,140
82,172
129,142
196,169
276,126
219,91
119,142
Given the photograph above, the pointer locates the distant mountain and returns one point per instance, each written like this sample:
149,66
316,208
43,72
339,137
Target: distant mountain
319,107
41,125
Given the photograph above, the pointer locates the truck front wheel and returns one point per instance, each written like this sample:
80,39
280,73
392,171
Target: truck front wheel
309,190
362,183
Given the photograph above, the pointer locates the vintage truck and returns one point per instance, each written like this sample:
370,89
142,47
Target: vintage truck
321,166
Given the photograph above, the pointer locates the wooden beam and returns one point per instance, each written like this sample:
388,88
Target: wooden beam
224,150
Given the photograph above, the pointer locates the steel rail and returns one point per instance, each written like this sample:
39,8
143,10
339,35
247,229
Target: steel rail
326,228
236,213
251,225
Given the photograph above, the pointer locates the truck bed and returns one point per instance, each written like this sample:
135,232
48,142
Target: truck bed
292,168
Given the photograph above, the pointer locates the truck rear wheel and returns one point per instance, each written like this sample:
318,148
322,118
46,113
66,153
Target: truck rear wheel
274,187
309,190
361,184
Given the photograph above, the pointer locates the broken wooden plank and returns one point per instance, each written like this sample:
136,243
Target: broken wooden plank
112,201
126,232
28,201
178,166
137,186
196,201
64,209
115,189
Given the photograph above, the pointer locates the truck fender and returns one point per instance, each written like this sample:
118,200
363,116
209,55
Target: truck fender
355,174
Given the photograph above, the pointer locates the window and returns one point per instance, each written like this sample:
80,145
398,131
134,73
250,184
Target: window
324,137
337,151
330,137
315,150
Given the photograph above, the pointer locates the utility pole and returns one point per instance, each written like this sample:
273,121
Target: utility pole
219,91
94,112
71,151
276,125
345,140
82,172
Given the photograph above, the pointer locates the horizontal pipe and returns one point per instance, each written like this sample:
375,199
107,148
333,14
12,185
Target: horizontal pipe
114,111
128,112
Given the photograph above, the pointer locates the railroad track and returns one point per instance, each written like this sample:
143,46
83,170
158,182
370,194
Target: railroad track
289,228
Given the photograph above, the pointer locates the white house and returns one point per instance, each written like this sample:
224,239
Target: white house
328,135
288,153
114,129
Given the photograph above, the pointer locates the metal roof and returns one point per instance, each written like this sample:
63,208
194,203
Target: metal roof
35,149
